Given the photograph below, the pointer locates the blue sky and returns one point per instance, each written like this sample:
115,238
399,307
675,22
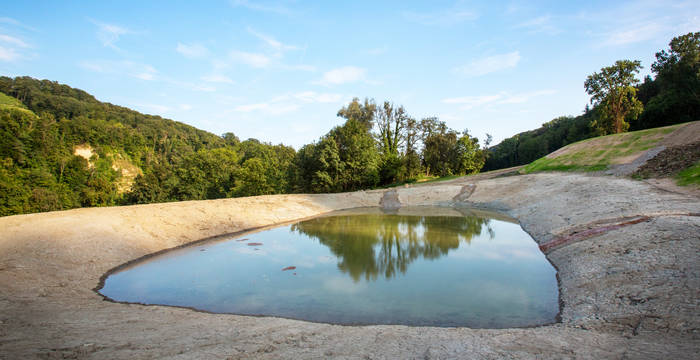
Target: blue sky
279,71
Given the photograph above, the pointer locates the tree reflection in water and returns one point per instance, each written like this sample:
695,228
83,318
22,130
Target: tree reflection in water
370,245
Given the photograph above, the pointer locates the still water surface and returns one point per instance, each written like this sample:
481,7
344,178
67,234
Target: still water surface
424,266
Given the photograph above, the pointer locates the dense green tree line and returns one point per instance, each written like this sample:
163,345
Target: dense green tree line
672,96
42,123
381,145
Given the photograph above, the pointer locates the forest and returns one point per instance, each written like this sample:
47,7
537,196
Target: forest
672,96
60,148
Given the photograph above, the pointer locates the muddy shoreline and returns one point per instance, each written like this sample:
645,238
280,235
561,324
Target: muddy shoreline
627,291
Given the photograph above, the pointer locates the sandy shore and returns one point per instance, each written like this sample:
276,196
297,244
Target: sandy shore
627,255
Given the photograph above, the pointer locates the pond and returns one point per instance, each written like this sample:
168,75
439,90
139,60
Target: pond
426,266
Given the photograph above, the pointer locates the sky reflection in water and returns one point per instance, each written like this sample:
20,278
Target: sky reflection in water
360,268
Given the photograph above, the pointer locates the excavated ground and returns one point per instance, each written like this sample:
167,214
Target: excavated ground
627,255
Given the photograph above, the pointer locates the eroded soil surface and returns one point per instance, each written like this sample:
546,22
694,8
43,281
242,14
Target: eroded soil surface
670,161
627,254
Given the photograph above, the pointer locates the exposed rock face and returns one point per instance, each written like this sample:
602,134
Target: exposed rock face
629,283
390,200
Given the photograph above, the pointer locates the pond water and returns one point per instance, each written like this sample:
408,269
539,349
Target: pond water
416,266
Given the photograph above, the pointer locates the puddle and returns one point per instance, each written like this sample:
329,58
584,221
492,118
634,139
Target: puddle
426,266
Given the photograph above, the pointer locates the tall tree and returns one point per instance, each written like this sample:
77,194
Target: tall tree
390,123
361,112
613,92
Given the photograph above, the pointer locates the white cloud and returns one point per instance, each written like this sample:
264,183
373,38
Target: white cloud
11,48
13,22
192,51
8,54
185,107
634,34
272,42
313,97
376,51
109,34
289,102
300,67
541,24
490,64
524,97
257,6
217,78
125,67
470,102
271,108
11,40
446,17
343,75
251,59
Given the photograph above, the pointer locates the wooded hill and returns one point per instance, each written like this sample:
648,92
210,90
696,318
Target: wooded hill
672,96
60,148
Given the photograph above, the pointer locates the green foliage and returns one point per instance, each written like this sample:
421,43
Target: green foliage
41,172
613,92
689,176
529,146
676,89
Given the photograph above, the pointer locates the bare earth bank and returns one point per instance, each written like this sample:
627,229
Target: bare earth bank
627,255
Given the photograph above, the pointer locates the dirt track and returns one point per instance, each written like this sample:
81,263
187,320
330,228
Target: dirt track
627,255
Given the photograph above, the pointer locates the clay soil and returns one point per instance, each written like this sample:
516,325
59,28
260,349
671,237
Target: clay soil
627,255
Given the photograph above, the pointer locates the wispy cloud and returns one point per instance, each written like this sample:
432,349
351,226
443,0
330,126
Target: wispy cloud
192,51
314,97
271,108
255,60
642,21
633,34
11,48
271,42
454,15
217,78
8,54
290,102
540,24
470,102
109,34
376,51
274,8
489,64
11,40
13,22
125,67
343,75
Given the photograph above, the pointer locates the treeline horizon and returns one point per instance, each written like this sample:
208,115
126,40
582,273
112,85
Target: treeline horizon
42,122
379,144
671,97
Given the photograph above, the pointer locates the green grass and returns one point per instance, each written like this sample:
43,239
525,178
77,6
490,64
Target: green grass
598,153
10,101
689,176
422,179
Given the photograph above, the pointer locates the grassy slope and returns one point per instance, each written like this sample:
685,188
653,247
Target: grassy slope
689,176
598,153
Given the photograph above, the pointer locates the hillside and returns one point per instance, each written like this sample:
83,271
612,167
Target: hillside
60,148
658,152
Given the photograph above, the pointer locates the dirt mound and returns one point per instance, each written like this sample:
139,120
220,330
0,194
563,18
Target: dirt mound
670,161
